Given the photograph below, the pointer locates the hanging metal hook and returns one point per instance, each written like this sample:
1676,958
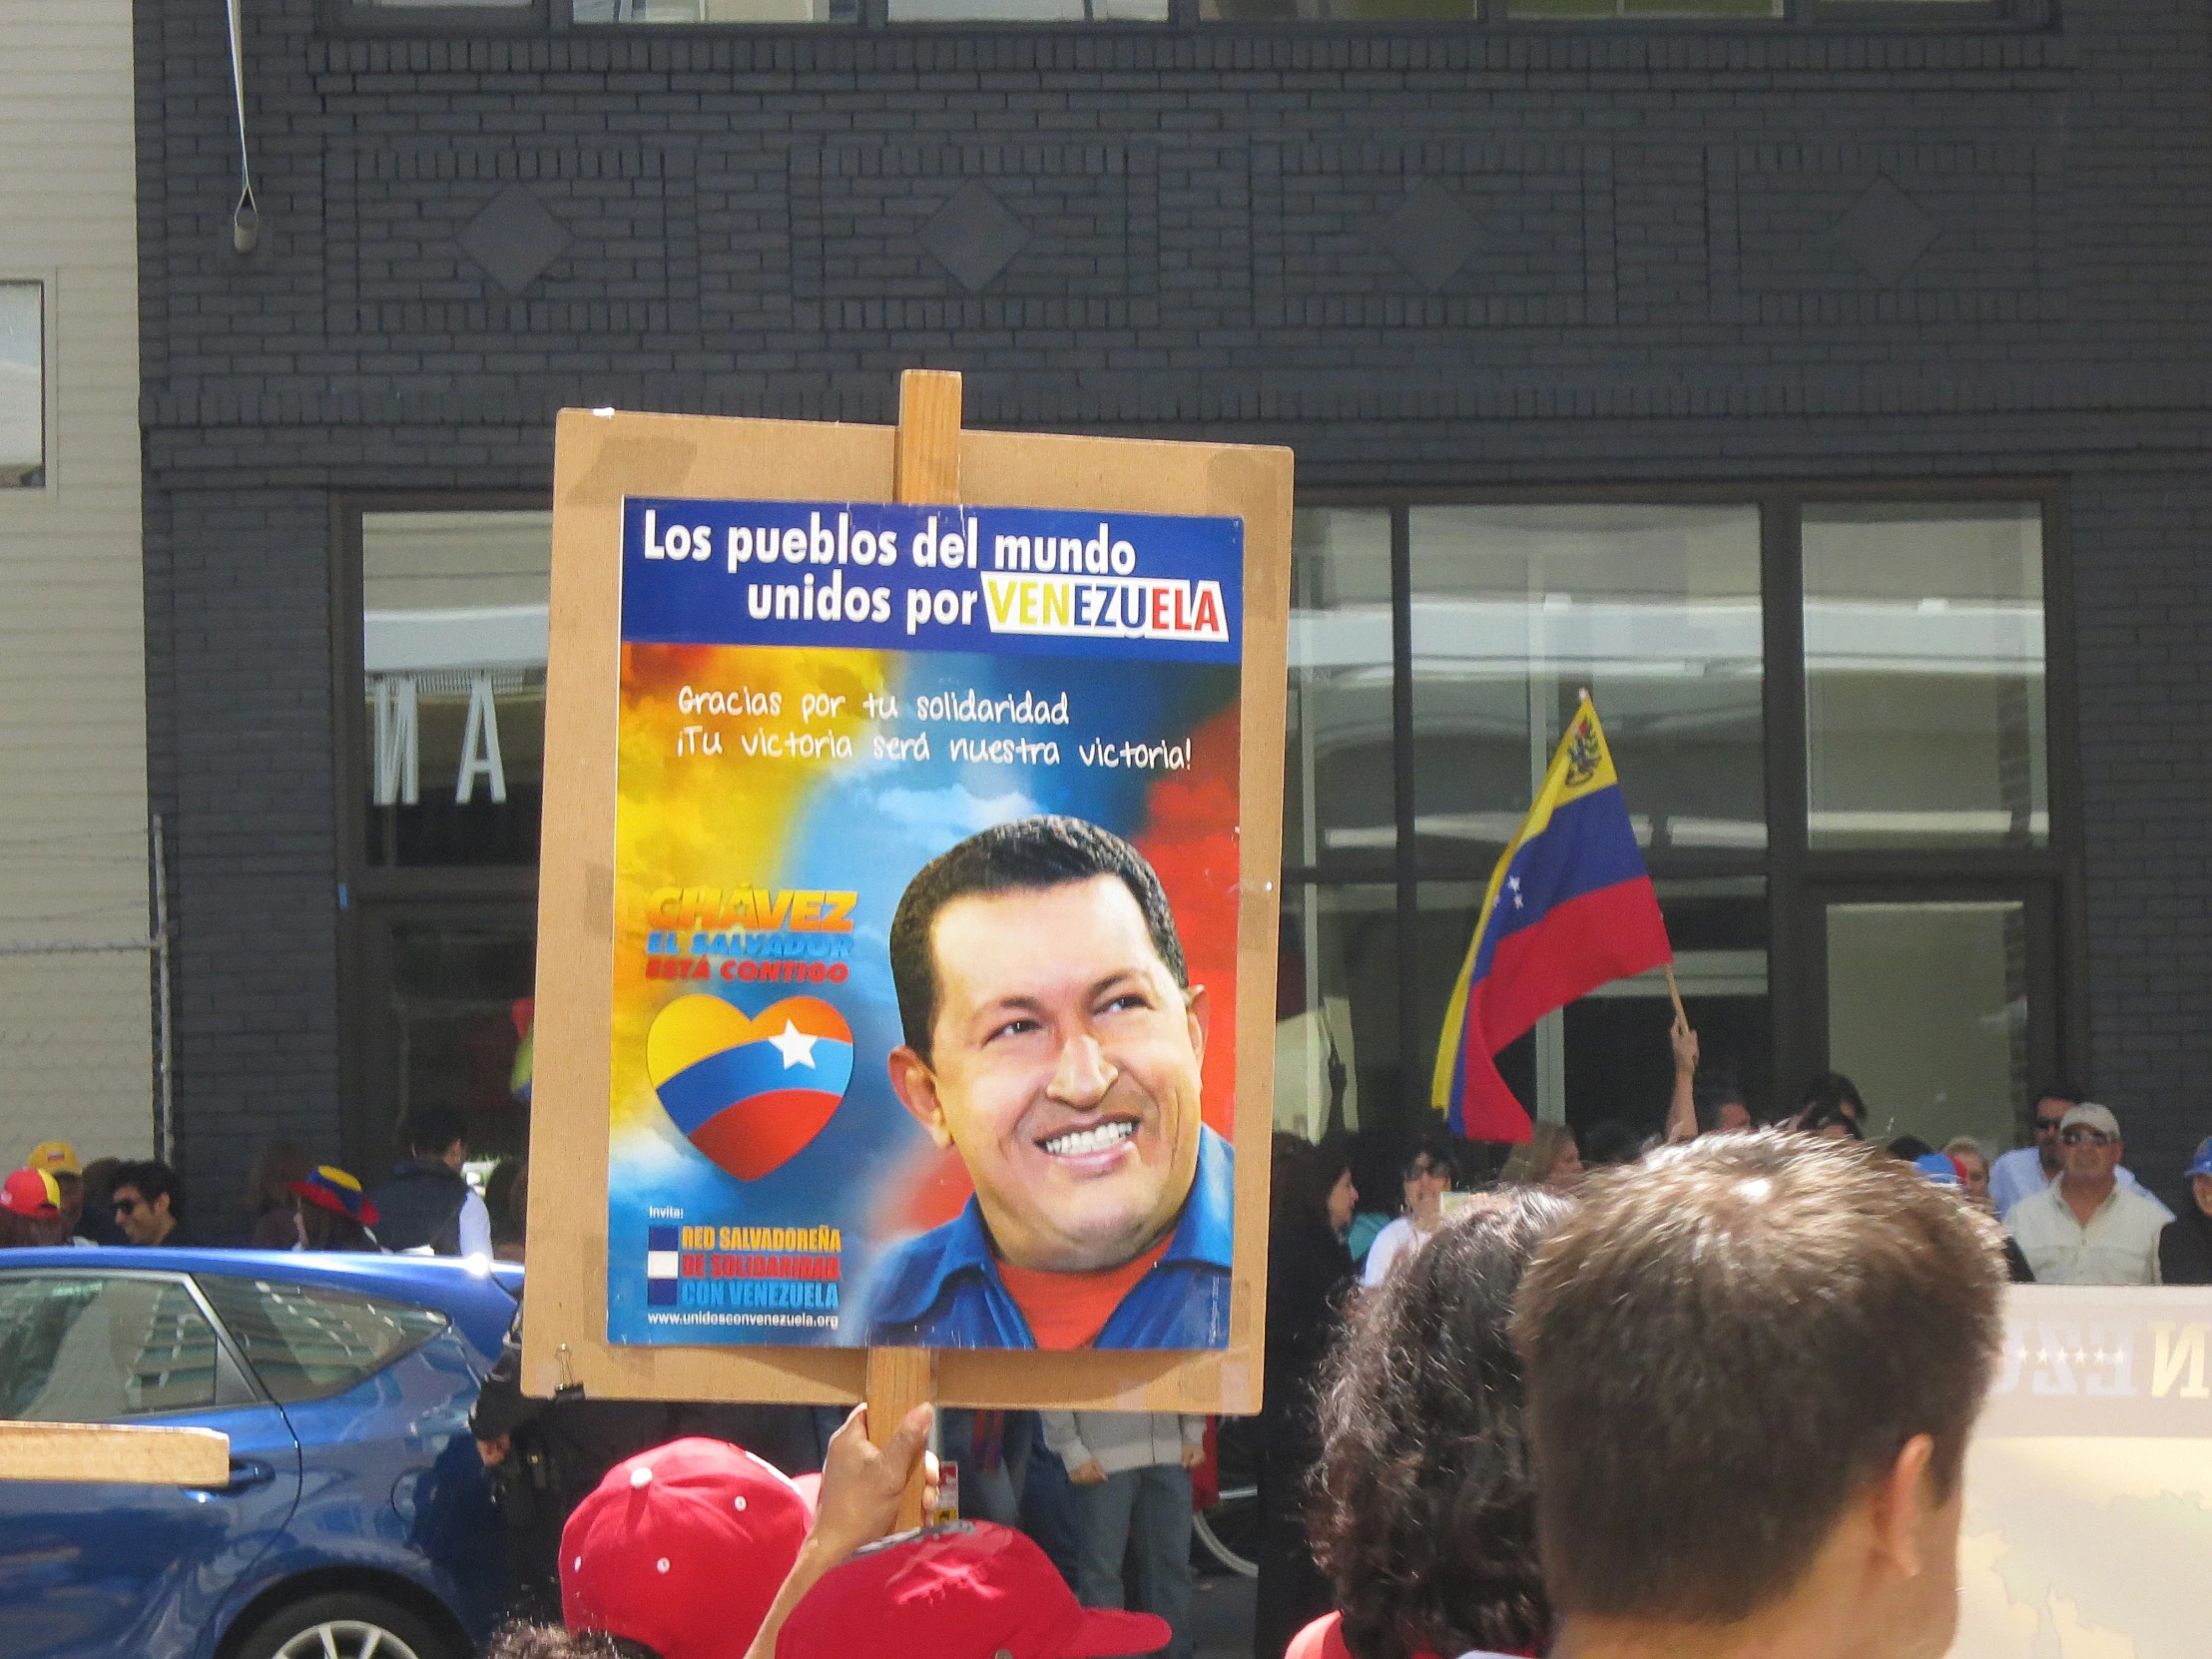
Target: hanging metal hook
246,216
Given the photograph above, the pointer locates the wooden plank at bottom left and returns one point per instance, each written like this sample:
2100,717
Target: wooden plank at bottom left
103,1451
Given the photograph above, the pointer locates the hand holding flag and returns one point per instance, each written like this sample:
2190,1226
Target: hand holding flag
1569,909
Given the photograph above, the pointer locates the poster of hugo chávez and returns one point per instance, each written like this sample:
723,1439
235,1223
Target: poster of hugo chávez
925,897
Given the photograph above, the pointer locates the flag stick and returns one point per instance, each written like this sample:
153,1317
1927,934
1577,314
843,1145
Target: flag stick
1681,1019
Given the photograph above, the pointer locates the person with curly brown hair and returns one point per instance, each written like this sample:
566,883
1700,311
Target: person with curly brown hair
1425,1517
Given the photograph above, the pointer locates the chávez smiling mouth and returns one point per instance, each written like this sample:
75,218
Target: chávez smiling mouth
1099,1137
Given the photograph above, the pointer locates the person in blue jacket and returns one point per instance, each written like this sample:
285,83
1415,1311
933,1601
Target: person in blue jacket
1053,1038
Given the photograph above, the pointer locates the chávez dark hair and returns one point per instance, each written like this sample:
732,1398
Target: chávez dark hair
1028,855
1724,1345
1423,1516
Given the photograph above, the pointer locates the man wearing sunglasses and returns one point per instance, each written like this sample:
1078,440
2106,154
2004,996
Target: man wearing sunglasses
2033,1168
147,1205
2085,1227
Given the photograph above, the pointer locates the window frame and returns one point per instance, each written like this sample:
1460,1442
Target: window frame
539,18
234,1382
316,1288
1795,874
366,17
47,279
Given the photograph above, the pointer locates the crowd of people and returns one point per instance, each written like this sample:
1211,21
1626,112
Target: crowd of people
1714,1402
1707,1392
425,1206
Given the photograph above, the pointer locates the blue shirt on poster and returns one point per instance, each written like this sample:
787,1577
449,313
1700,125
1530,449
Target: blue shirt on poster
942,1290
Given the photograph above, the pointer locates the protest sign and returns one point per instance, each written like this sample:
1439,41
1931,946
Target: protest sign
2089,1500
907,912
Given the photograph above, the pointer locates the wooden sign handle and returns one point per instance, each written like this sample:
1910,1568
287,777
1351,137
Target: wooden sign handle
927,468
899,1379
149,1455
926,473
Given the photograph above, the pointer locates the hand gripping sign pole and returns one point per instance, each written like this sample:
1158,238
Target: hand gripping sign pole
794,667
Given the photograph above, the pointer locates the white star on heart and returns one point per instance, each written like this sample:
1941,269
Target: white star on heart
796,1049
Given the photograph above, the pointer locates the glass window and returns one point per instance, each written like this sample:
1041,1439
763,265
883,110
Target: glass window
309,1342
22,385
459,998
1654,609
1339,11
1644,8
716,11
1927,1012
1028,11
1336,1015
1339,800
91,1348
1924,676
453,636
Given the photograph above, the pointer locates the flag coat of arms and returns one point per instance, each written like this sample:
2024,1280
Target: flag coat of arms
1569,909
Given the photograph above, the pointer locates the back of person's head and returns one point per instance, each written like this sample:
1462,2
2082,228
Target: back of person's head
1610,1141
1711,1096
1529,1164
152,1179
1833,1088
275,1167
1423,1516
1910,1148
1299,1200
430,1131
507,1198
1821,1116
324,1230
1728,1349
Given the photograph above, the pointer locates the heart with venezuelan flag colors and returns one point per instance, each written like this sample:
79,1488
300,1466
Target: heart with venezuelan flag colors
750,1093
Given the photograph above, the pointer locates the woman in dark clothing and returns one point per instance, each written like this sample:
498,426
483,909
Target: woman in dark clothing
1308,1273
2185,1247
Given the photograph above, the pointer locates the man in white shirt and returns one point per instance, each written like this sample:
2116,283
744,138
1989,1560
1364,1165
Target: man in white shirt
2085,1227
2033,1168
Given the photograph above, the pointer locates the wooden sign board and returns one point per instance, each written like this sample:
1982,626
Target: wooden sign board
607,463
85,1451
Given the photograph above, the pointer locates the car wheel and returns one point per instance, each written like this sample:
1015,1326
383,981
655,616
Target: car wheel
347,1625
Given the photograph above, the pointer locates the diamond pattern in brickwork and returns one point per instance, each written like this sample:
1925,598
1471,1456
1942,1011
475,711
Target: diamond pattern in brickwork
975,236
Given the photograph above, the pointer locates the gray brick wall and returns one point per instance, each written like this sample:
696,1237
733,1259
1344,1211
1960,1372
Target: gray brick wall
1420,257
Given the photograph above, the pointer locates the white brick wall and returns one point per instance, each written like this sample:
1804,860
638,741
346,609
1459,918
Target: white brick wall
75,1030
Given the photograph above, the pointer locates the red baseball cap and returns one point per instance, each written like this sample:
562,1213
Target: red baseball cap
32,1192
682,1548
952,1592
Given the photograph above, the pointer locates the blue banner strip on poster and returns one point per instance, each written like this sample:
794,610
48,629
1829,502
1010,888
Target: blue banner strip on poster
872,577
707,1086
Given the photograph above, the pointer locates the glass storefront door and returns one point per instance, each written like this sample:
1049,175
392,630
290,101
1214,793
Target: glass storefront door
1941,1010
444,1005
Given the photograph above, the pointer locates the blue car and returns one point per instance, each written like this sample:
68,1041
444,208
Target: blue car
358,1523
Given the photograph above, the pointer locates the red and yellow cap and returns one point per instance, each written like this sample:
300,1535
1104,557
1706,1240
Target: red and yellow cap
32,1192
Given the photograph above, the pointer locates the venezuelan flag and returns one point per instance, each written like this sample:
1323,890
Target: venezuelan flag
1569,907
